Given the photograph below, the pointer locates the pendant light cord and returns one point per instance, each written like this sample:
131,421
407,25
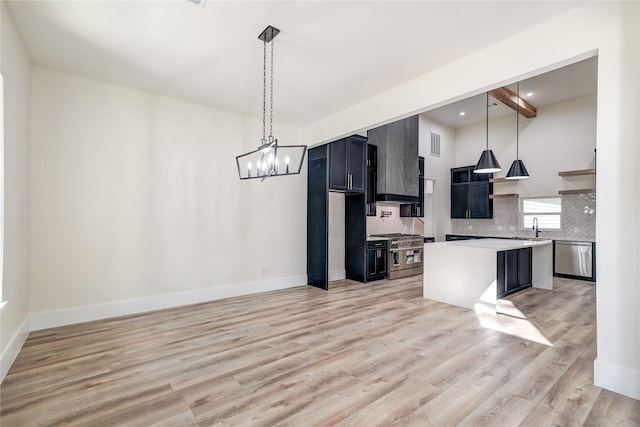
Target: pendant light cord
264,93
271,96
487,127
518,123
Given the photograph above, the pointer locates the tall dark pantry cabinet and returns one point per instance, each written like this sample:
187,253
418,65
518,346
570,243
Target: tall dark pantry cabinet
338,166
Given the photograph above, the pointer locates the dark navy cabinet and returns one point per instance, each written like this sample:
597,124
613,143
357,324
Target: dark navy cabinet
337,166
514,271
416,209
372,176
317,218
377,251
470,193
347,164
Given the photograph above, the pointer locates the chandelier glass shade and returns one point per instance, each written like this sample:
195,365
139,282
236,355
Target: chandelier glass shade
270,158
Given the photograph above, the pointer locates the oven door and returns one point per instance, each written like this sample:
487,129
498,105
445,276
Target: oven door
412,257
396,258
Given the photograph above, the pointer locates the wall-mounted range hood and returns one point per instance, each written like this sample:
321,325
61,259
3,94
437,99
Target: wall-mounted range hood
397,171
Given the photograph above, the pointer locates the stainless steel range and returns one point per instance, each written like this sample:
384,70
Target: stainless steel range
405,254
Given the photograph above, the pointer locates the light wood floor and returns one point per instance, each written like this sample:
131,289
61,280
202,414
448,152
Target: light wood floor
357,355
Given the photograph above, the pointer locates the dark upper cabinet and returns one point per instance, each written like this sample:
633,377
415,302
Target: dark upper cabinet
416,209
480,206
397,174
470,193
347,164
459,201
372,166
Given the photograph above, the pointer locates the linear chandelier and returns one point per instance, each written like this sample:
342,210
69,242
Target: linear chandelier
270,159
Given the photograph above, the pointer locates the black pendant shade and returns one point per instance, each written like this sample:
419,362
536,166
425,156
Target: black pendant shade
517,171
487,163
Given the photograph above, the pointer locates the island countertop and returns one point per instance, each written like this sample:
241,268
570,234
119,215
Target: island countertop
465,272
497,244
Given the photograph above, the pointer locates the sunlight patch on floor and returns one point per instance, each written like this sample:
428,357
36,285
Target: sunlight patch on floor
510,320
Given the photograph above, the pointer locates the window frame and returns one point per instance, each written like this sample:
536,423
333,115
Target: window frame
522,213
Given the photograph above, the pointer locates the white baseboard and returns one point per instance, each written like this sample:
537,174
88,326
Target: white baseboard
337,275
12,350
69,316
620,379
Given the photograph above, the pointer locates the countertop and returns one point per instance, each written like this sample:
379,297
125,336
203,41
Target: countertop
375,238
543,235
496,244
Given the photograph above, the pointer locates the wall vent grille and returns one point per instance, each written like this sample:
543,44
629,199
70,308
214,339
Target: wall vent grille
435,145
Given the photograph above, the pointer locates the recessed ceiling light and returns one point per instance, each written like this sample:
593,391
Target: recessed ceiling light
529,94
462,113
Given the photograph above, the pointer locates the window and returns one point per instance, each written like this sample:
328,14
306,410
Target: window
546,209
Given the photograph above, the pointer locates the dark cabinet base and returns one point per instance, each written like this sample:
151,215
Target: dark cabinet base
377,260
514,271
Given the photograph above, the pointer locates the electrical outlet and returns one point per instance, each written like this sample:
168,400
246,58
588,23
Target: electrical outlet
576,230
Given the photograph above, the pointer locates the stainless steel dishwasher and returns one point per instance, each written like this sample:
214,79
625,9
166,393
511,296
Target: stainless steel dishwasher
574,259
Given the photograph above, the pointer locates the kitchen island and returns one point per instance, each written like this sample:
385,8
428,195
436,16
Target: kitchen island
472,273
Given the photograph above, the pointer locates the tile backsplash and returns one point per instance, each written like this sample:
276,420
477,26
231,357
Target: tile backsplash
578,220
388,220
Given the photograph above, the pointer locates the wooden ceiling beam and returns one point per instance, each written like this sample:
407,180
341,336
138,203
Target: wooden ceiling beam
511,99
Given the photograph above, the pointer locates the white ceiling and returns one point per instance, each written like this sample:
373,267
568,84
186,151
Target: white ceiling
570,82
329,55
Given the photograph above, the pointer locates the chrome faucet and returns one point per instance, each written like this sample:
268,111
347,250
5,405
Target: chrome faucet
535,225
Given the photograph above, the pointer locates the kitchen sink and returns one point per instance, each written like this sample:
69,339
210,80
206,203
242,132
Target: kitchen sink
530,238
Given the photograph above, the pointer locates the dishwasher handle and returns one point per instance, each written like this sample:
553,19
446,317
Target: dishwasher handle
561,242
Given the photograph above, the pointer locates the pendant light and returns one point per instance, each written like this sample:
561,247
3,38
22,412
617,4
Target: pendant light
488,162
517,169
270,159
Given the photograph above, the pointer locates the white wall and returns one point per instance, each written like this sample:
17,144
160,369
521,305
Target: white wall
136,196
15,277
335,261
562,137
612,30
438,169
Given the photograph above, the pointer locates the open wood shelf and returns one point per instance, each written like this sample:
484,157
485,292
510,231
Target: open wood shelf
581,191
499,180
497,196
578,172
